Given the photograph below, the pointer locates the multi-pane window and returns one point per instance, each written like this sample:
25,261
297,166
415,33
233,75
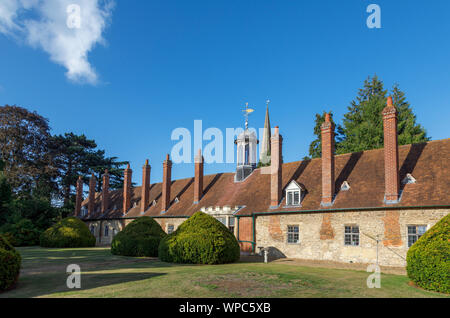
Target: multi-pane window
231,222
292,234
106,230
222,220
92,230
293,197
351,235
414,232
170,228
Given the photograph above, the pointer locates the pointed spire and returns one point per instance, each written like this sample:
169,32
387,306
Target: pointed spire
264,153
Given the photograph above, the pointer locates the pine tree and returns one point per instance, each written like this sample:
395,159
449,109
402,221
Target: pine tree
315,148
362,127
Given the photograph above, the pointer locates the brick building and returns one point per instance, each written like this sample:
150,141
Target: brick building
355,207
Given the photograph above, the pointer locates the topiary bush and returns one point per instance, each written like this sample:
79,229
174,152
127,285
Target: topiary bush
428,260
22,233
69,232
139,238
10,261
200,240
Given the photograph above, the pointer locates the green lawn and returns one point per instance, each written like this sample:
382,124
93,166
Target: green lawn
104,275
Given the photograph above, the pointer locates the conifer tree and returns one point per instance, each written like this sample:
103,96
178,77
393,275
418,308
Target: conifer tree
362,126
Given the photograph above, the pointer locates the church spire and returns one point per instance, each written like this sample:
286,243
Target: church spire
264,154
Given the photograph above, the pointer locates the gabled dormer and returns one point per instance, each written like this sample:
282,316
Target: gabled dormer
293,194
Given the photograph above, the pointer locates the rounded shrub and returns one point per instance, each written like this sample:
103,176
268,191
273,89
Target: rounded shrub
139,238
428,260
69,232
200,240
10,261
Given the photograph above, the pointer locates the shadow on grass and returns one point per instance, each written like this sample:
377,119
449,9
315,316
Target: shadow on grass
47,284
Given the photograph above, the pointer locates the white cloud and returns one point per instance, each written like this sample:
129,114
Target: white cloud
44,24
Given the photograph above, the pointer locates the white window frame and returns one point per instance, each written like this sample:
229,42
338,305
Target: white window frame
291,190
291,232
354,236
416,233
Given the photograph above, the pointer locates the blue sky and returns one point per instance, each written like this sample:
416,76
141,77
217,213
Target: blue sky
166,63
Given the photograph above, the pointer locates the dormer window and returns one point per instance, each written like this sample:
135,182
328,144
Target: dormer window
84,211
293,194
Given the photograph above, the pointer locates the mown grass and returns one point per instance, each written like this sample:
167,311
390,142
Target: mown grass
44,274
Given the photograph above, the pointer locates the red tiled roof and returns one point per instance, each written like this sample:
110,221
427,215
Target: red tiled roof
364,171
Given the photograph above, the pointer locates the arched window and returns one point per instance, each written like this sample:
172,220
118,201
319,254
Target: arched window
106,230
92,230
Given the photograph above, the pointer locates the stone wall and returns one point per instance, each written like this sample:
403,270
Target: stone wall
104,237
115,226
322,234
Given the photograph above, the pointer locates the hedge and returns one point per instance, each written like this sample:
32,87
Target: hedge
428,260
200,240
139,238
10,262
69,232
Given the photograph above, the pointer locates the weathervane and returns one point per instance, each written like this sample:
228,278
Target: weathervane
247,111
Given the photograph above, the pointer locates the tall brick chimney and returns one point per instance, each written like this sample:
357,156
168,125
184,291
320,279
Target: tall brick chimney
167,171
145,195
391,171
91,203
105,192
327,161
276,167
127,179
198,182
79,197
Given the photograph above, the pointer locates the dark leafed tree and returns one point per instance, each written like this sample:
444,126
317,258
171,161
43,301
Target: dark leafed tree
24,138
71,156
362,127
315,148
5,195
98,163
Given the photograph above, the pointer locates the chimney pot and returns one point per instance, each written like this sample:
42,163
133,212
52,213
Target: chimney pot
198,182
276,167
167,172
145,194
391,165
79,196
127,189
328,181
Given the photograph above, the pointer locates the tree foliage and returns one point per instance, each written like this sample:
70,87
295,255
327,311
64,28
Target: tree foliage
24,138
362,125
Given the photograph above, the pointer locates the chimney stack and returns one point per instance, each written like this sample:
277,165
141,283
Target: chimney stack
167,170
79,197
276,167
145,196
91,203
105,192
327,129
391,178
198,184
127,174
